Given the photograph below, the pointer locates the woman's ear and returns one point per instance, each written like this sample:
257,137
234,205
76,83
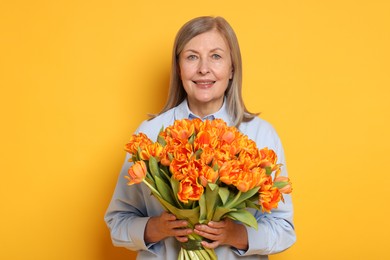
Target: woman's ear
231,73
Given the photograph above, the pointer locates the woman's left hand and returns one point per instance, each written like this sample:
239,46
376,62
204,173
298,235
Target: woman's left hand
224,232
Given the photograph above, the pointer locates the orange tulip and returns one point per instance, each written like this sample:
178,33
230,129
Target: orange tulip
137,173
165,160
269,196
181,160
137,141
221,156
218,125
207,155
207,174
244,182
228,173
182,130
270,199
189,189
154,149
247,180
269,158
258,176
196,122
228,137
178,169
203,139
287,188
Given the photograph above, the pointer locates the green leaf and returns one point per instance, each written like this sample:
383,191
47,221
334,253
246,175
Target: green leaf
220,212
175,190
242,205
212,199
153,166
268,170
251,204
191,139
280,184
161,140
241,197
202,209
150,177
224,194
170,156
212,186
164,170
161,130
244,217
198,153
165,190
138,157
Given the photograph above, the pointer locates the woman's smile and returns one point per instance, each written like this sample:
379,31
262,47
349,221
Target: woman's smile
204,83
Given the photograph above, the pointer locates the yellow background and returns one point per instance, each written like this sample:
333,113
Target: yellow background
77,78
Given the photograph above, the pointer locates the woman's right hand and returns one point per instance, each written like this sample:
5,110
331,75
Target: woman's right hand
166,225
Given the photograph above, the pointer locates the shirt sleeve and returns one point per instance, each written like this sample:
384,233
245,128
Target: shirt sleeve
132,206
124,213
129,211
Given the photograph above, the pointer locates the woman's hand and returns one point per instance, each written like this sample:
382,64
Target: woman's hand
166,225
224,232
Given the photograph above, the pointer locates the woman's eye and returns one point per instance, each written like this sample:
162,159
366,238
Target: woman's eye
216,56
192,57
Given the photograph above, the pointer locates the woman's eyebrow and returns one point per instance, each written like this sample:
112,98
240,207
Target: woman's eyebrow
212,50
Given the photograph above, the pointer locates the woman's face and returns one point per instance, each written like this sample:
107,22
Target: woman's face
205,70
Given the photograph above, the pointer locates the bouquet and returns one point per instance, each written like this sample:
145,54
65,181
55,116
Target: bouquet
205,171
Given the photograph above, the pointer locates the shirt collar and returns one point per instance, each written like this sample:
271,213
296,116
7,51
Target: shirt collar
183,111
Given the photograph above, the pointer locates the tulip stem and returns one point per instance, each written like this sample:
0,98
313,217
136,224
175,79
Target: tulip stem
151,188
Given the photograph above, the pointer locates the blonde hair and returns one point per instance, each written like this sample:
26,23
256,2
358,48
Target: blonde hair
234,102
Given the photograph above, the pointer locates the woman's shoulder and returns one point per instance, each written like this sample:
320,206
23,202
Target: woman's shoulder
257,124
260,130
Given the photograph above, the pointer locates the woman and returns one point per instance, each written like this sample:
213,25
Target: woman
205,83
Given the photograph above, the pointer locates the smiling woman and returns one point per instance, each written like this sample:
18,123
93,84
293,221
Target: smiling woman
205,84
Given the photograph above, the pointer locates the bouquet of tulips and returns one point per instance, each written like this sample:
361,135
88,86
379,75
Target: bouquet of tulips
204,171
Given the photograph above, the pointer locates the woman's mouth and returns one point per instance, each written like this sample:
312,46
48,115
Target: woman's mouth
204,83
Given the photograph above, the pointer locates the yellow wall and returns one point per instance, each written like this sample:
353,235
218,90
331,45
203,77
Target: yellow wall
77,77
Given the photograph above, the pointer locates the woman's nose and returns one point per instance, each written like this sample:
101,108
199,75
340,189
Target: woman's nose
203,67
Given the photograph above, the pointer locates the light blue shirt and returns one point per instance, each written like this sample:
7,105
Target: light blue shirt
132,206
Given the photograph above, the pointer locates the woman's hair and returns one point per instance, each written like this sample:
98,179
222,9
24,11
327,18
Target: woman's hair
234,102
